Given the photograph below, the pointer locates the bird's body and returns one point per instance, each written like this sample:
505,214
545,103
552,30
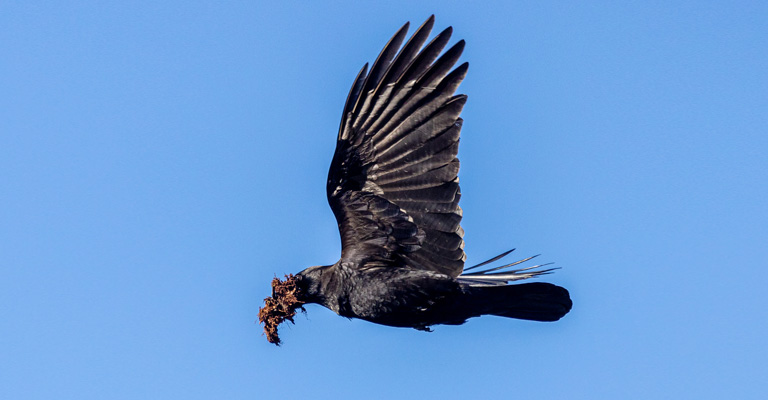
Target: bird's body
411,298
394,190
402,297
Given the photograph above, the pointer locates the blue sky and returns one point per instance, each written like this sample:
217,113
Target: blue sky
160,163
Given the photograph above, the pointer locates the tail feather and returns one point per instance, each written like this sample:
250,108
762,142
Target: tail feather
488,277
536,301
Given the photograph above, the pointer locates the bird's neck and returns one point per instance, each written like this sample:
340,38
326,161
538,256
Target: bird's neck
324,285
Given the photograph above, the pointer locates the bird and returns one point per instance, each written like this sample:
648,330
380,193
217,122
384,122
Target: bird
393,187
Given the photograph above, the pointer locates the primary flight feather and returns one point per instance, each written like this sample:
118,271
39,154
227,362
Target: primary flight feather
394,190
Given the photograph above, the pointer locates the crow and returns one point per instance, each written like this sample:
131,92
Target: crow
394,190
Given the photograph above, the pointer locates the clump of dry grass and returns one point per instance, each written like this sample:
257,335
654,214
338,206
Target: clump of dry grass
280,306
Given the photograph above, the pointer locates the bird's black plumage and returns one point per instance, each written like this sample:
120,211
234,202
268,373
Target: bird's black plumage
394,190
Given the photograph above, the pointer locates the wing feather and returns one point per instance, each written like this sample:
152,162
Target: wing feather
393,183
417,179
380,66
415,68
438,150
444,222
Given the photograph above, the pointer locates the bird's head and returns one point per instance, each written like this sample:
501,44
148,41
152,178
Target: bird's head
310,282
287,297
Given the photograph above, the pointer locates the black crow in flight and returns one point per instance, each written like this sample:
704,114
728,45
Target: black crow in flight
393,188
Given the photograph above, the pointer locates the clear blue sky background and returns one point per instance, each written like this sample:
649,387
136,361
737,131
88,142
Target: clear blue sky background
160,162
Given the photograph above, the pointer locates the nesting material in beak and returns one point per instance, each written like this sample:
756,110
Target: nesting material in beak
280,306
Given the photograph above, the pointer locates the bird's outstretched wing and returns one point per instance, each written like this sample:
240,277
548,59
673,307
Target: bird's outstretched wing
393,183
